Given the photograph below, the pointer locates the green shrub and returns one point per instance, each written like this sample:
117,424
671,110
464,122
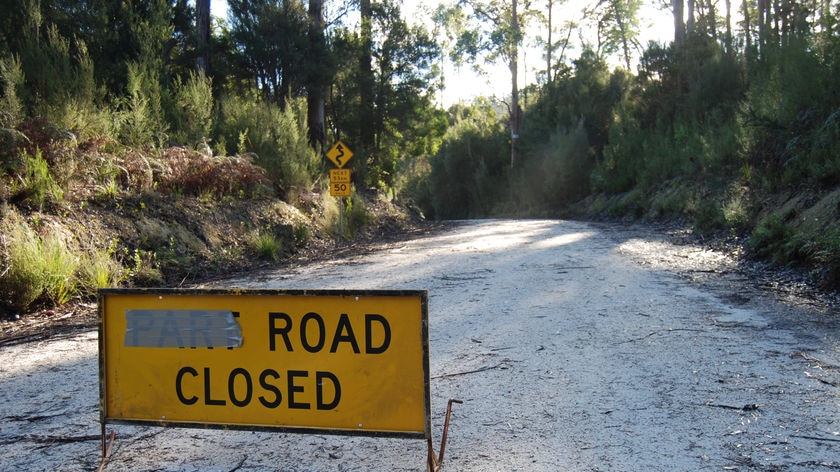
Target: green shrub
60,264
771,238
140,117
469,174
708,216
556,173
99,269
36,183
192,114
11,79
36,269
355,215
268,246
276,138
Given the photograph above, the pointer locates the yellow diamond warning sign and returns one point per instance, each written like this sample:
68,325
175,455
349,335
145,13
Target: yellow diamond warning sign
339,154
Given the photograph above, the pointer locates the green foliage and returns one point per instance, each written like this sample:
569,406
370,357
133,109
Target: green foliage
555,173
384,111
268,246
192,114
37,185
272,37
619,25
708,216
355,214
277,137
791,118
37,269
772,239
469,173
11,82
141,119
98,269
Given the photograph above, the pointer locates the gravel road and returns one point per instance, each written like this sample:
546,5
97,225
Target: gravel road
573,347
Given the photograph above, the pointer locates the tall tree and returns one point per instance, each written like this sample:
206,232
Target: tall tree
490,30
366,83
272,37
202,23
380,108
678,10
618,27
318,75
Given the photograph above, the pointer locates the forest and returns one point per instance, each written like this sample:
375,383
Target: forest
727,127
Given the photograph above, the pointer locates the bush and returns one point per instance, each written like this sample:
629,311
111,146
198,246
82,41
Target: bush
268,246
469,173
771,238
277,138
99,269
11,79
556,173
140,117
183,171
36,269
36,183
192,114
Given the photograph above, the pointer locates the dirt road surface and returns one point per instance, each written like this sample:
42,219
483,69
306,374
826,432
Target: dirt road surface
573,346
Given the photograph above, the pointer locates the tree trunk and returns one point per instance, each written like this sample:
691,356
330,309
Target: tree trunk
747,27
763,15
622,28
514,90
366,83
689,24
548,48
316,88
679,22
202,26
728,39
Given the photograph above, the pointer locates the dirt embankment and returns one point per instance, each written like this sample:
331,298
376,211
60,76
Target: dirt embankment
172,242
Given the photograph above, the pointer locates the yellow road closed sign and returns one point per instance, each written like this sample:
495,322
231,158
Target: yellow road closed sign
341,362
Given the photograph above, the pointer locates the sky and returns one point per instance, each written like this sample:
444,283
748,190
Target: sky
463,84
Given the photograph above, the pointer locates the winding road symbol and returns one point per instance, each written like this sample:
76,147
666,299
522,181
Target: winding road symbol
339,154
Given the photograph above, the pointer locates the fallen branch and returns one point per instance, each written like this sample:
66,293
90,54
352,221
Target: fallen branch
240,464
50,439
747,407
669,330
815,438
500,364
826,382
818,362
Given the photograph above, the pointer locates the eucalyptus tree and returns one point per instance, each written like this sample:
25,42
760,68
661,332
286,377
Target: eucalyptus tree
202,26
618,27
489,31
547,16
318,74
